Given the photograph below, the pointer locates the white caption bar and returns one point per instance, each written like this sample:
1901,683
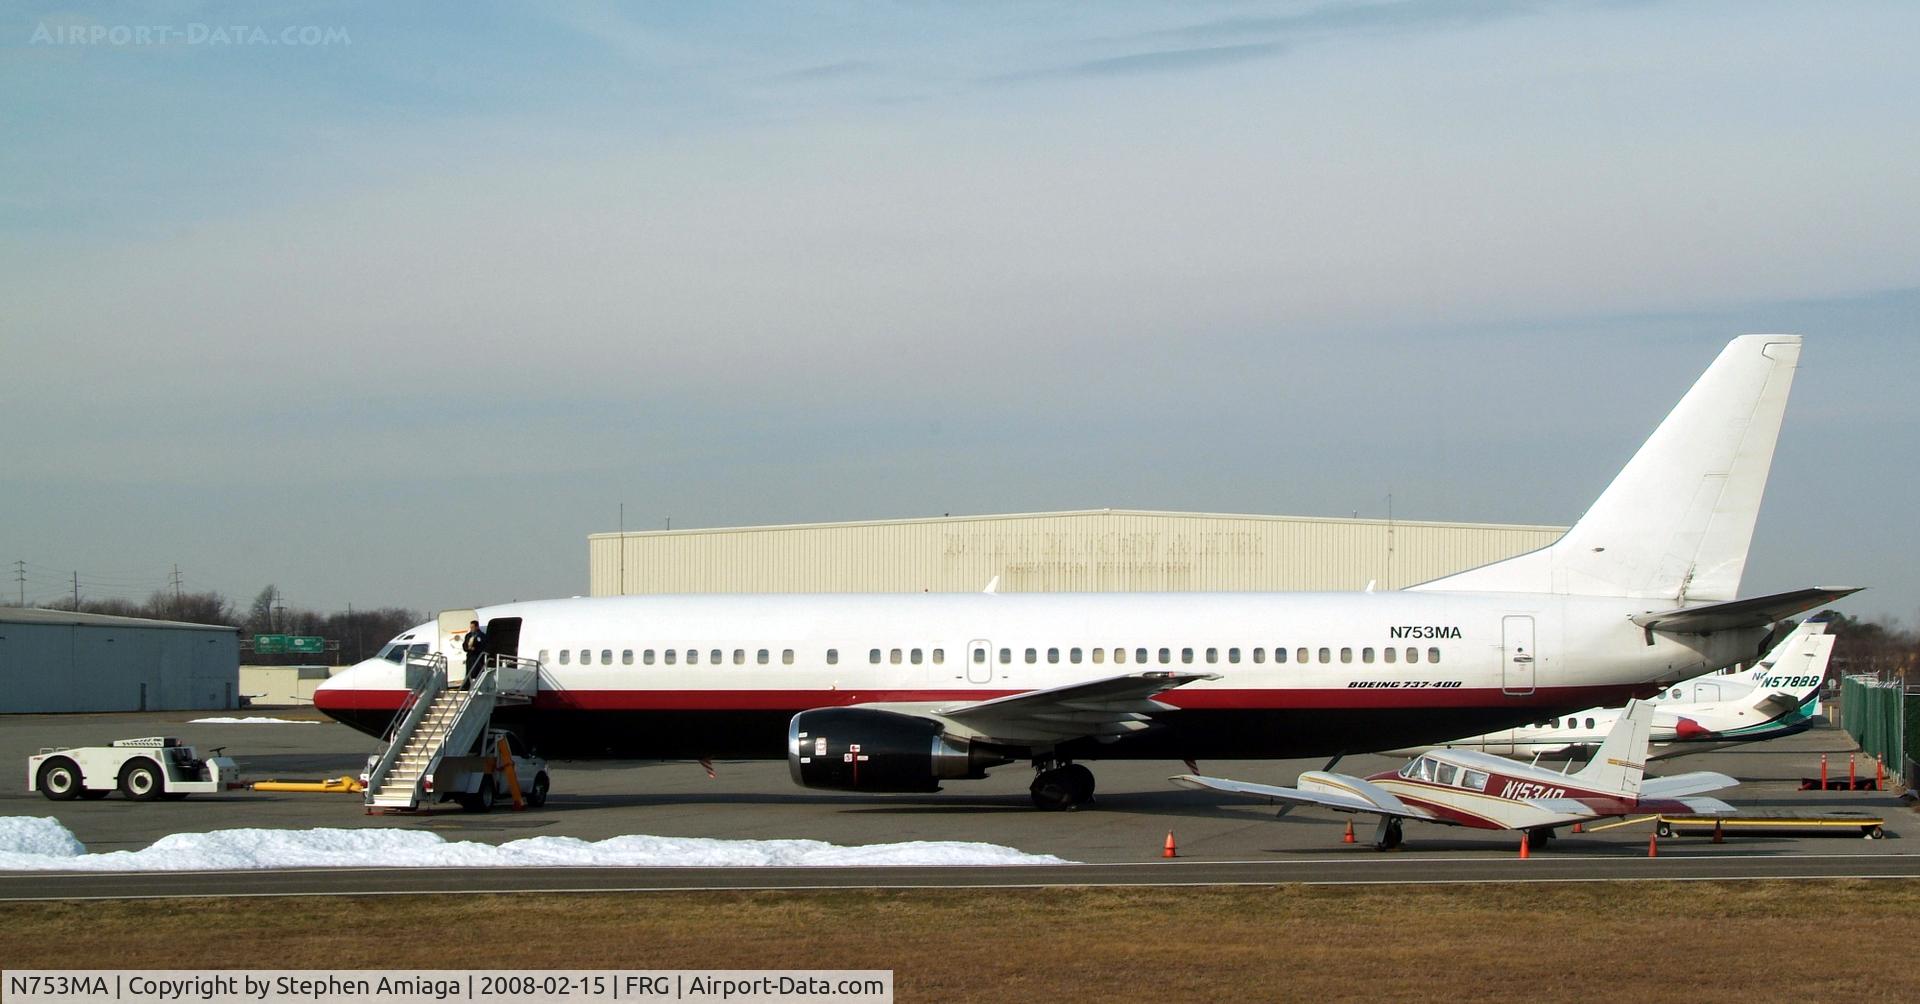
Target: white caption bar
400,986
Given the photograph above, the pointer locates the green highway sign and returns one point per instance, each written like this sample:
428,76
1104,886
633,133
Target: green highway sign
269,644
306,644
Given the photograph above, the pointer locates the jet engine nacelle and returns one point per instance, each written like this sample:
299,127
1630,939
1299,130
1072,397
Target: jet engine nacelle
866,749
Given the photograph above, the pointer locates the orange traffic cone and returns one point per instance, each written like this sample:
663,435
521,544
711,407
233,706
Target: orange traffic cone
1524,852
1653,844
1169,852
1577,829
1349,837
1718,836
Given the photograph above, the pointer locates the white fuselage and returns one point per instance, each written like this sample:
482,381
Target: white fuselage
1301,673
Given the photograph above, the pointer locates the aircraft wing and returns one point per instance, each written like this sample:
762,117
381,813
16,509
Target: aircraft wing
1733,615
1112,706
1378,803
1677,785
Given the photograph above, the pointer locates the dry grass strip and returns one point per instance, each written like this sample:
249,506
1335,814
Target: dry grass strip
1750,941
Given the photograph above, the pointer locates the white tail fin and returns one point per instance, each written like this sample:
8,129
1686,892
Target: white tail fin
1676,522
1622,758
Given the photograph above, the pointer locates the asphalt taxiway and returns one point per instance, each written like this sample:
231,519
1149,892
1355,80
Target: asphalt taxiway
1118,841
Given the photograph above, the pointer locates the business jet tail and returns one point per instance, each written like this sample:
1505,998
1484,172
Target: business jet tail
1676,522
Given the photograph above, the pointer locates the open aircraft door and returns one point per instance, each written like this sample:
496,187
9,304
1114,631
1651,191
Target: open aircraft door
453,631
1517,655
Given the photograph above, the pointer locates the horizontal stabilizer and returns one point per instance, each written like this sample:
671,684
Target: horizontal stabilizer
1680,785
1708,806
1736,615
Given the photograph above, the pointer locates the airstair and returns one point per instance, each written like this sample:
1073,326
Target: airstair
439,720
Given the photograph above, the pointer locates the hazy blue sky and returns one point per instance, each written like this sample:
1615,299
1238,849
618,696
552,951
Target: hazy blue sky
402,316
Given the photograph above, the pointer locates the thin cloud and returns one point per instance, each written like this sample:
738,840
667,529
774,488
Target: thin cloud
1176,60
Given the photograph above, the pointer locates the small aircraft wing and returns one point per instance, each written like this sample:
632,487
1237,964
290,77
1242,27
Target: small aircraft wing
1375,802
1677,785
1733,615
1112,706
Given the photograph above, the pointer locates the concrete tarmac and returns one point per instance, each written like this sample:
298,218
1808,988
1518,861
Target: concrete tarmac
1119,839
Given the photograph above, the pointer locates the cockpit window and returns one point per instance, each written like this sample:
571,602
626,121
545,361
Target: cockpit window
394,652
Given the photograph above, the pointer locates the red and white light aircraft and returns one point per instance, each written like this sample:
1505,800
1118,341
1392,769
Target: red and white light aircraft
900,692
1459,787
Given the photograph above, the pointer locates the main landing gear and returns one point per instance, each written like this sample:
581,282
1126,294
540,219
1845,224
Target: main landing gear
1061,786
1387,836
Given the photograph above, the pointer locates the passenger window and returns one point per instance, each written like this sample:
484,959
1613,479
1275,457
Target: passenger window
979,656
893,656
671,654
1433,655
1213,655
1300,655
739,656
586,657
1120,655
1006,656
1326,655
646,657
606,657
1053,655
1413,655
833,657
1186,655
1445,773
1589,724
1260,655
714,657
873,656
1346,655
786,657
566,656
543,656
1073,656
1390,654
1474,779
1279,654
762,657
1233,655
939,656
1140,656
1099,656
1166,656
693,657
1033,656
626,657
914,656
1366,654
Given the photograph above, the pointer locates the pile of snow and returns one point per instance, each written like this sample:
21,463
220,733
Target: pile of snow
249,721
29,844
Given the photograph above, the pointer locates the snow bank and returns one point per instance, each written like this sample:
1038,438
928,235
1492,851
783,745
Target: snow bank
42,844
249,721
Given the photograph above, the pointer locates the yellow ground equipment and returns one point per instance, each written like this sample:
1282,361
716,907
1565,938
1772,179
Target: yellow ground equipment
332,785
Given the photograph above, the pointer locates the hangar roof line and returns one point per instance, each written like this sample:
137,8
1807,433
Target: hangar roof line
1174,514
40,615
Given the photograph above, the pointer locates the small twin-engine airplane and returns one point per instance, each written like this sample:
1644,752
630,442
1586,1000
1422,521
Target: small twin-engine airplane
1777,697
1468,788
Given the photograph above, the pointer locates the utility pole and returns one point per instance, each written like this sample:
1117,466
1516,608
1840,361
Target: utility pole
20,576
76,592
279,604
176,586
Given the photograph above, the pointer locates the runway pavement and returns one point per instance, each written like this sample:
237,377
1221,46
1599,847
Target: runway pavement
1221,840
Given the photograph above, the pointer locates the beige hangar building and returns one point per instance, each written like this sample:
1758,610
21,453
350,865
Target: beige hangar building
1096,550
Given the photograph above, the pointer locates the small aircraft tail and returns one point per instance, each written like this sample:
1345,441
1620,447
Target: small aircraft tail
1676,522
1621,761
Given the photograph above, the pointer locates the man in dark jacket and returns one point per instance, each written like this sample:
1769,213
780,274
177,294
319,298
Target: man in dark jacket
475,645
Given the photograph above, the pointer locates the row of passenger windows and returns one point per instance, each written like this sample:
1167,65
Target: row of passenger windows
1213,655
938,656
1428,769
671,656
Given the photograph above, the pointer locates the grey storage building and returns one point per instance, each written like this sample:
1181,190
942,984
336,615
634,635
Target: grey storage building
57,661
1099,550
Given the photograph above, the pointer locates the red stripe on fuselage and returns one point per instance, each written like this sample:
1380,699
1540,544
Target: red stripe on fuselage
800,700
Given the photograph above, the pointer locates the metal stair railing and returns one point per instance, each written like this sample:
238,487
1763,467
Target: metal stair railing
432,672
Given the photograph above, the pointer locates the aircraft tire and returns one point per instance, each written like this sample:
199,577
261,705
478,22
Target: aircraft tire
1052,791
1390,836
1080,780
1538,836
60,780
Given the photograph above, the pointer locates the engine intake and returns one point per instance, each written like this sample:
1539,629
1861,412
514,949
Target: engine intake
866,749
